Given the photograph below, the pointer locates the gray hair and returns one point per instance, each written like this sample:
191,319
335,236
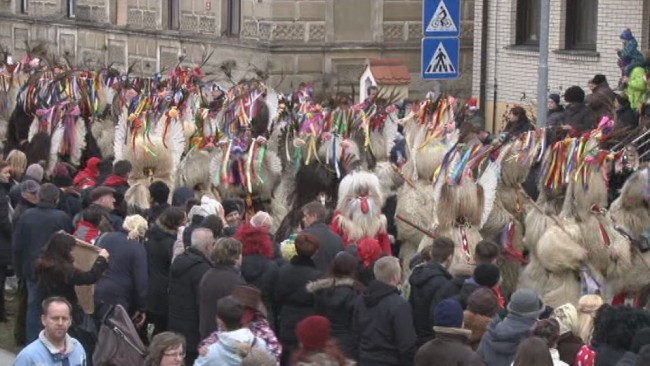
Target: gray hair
386,269
49,193
227,251
202,239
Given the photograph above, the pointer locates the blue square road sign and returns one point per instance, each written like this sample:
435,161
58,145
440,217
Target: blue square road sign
440,58
441,18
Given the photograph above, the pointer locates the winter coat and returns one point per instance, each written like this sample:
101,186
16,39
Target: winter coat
70,203
293,301
499,344
569,345
466,290
5,225
159,245
628,359
43,352
451,288
334,298
330,245
155,211
185,276
607,355
125,281
626,117
384,327
216,283
514,129
261,272
426,281
555,117
22,206
320,359
636,87
33,231
478,325
601,101
449,348
580,117
227,350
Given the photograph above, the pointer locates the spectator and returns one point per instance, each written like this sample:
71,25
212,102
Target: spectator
533,351
640,340
555,111
125,281
626,117
57,276
166,349
549,330
70,201
28,199
578,116
236,341
5,233
518,122
503,336
87,178
383,320
104,169
313,220
232,211
588,305
316,346
485,275
449,348
629,56
601,99
18,162
367,251
185,277
614,332
104,197
92,224
219,281
159,245
482,306
159,192
293,301
334,298
34,172
636,85
181,195
118,180
53,341
426,281
33,230
568,344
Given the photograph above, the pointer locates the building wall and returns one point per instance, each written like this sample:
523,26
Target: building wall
514,69
322,41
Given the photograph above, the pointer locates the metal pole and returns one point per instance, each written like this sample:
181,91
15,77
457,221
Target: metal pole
542,77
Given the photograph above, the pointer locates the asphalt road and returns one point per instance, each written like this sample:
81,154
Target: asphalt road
6,358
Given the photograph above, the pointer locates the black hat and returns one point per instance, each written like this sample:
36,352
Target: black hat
555,98
229,206
100,192
574,94
487,274
598,79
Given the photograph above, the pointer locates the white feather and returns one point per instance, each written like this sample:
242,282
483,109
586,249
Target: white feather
272,101
33,129
121,132
489,180
56,141
215,166
175,141
80,138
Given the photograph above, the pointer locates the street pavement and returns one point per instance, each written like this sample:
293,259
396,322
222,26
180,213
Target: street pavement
6,358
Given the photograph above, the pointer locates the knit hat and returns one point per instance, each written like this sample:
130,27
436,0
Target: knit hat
100,192
598,79
261,218
483,301
555,98
487,274
641,339
314,332
472,104
307,244
574,94
229,206
250,297
35,171
60,176
567,317
626,35
547,329
29,186
448,313
525,302
210,205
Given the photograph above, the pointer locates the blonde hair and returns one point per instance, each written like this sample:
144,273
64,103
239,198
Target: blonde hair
136,226
587,307
386,269
567,316
18,161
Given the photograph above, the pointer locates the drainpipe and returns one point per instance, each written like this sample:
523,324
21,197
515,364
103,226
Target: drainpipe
484,55
496,55
542,73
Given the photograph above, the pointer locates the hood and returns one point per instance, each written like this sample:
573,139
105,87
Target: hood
503,336
423,273
376,292
181,195
234,343
158,232
184,262
332,292
253,267
115,181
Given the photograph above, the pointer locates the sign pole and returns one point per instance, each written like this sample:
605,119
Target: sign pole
542,77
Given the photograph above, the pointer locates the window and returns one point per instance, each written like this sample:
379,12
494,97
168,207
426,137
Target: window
118,12
23,6
234,17
581,23
174,14
528,16
72,8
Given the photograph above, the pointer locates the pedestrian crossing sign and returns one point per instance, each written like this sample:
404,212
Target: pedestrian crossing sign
440,58
441,18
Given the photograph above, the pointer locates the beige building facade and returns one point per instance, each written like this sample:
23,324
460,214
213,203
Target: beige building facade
327,42
584,37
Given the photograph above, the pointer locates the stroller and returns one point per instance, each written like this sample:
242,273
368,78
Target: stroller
118,340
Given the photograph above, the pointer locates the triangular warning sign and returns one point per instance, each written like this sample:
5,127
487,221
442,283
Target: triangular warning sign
440,62
441,20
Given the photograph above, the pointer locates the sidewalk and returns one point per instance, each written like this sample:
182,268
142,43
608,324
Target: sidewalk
6,357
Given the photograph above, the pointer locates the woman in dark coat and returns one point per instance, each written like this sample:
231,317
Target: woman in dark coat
293,301
518,122
159,246
334,298
5,233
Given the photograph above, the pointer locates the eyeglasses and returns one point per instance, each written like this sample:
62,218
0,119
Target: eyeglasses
174,354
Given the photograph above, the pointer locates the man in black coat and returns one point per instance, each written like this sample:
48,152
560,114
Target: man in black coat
185,275
578,116
314,216
426,281
383,321
33,230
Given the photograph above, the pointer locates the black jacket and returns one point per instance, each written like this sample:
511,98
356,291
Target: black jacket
159,246
466,289
449,348
33,230
216,283
185,276
580,117
261,272
626,117
334,298
125,281
514,129
450,289
330,245
70,203
23,205
293,301
555,117
426,281
5,225
384,327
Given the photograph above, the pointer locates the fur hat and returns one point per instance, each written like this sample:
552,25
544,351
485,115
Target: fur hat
483,301
598,79
525,302
567,317
35,171
627,35
487,274
314,332
100,192
230,206
307,244
574,94
250,297
448,313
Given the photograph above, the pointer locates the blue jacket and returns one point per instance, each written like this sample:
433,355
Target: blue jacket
33,230
502,337
42,352
125,280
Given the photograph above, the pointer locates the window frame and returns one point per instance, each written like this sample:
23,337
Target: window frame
523,16
24,6
574,13
233,29
174,22
72,9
